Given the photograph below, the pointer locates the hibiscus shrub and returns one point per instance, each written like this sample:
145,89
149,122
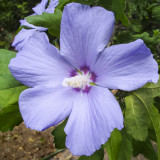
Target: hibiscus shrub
69,68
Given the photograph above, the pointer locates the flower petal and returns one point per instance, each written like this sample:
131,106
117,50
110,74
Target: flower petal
22,38
39,62
41,7
85,31
44,106
94,116
126,66
25,23
52,5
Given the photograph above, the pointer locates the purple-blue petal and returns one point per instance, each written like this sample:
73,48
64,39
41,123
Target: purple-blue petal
22,38
41,7
93,117
25,23
126,66
39,63
44,106
52,5
85,31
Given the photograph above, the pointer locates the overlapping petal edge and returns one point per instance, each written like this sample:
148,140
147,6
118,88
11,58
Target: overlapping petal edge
23,36
93,115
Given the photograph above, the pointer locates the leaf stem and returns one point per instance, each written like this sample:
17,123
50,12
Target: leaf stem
52,154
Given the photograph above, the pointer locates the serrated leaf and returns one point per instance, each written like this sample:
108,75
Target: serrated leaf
48,20
59,135
119,146
98,155
144,148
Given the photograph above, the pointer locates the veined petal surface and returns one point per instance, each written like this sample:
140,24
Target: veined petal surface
85,31
44,106
41,7
126,66
39,62
52,5
94,116
22,38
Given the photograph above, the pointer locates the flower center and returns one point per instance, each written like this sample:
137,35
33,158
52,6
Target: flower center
80,81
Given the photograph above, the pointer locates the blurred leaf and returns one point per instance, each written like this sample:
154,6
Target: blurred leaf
98,155
152,135
143,99
10,90
9,117
48,20
106,4
60,135
156,103
118,7
135,26
156,13
119,146
85,2
144,148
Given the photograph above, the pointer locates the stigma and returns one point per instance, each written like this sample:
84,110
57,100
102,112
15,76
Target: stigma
80,81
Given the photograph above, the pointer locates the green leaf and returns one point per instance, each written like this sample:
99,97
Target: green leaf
119,146
144,148
118,7
156,13
59,135
85,2
155,117
113,144
106,4
98,155
136,118
6,78
143,98
125,152
152,134
10,117
48,20
10,96
62,3
10,90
